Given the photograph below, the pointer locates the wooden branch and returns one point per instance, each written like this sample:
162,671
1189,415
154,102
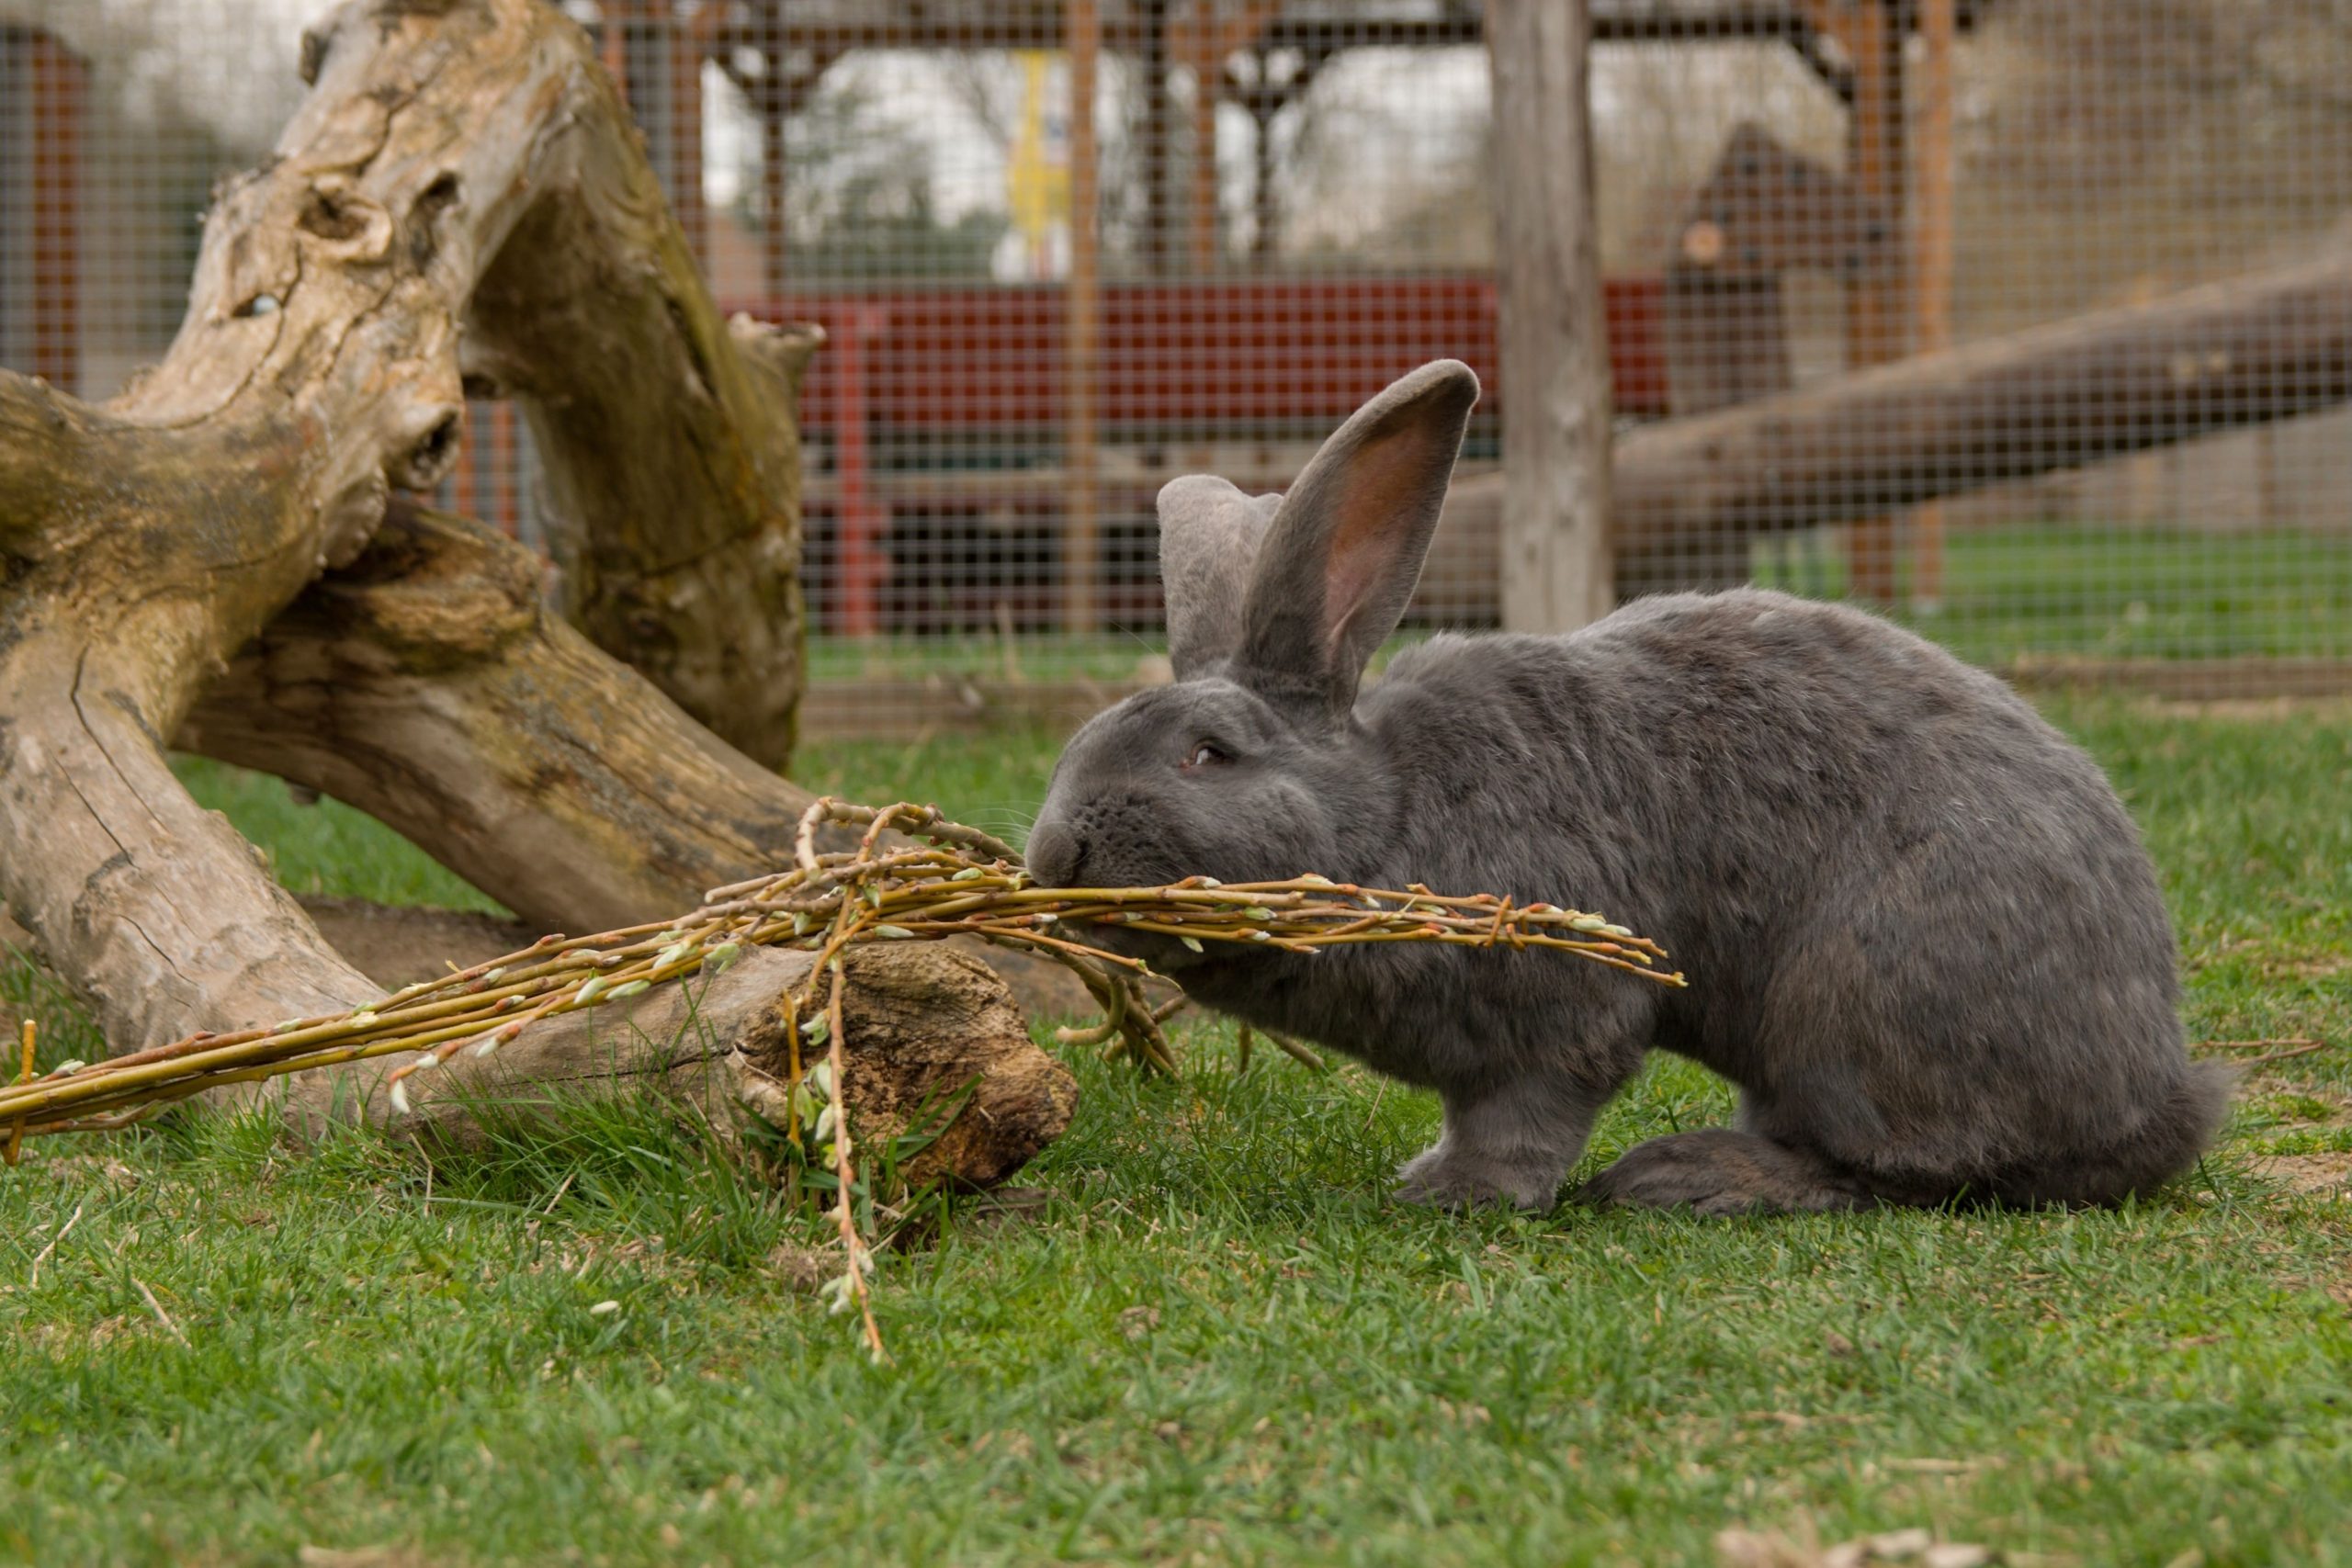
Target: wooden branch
1555,501
142,543
2247,351
669,439
428,685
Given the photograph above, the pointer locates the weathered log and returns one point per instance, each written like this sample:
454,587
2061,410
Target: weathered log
316,372
922,1026
426,684
142,543
672,453
457,161
2247,351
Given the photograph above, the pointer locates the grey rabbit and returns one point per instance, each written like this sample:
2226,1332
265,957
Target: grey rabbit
1922,938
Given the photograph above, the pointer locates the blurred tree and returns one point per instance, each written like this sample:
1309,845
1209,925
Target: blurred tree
861,202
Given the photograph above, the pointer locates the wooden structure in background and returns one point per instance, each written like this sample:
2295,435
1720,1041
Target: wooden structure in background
947,369
778,51
1260,53
1083,316
1556,563
44,90
1931,244
1869,35
1765,211
2250,351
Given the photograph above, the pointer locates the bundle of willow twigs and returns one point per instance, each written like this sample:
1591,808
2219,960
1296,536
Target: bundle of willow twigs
950,880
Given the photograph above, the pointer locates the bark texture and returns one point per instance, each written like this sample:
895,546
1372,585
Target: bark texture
462,188
428,686
143,542
672,455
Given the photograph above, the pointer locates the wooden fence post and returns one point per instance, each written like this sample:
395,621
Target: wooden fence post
1556,572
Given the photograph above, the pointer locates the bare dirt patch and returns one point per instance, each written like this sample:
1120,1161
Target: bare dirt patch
2325,1174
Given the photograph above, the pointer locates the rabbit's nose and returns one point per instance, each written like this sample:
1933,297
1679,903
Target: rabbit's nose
1055,851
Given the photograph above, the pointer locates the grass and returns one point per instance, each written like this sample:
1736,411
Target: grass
327,847
2036,590
1217,1342
2117,593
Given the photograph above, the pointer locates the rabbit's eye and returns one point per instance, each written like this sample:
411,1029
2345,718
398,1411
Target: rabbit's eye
1207,754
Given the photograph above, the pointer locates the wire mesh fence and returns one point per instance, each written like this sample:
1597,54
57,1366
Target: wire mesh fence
1063,252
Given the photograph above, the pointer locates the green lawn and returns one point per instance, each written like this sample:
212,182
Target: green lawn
2033,590
1219,1342
2117,593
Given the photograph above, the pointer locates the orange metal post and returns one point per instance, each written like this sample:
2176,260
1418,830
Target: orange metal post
861,568
1208,64
1931,285
1876,307
1081,543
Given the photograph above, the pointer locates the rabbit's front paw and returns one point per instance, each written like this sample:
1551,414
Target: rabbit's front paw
1446,1178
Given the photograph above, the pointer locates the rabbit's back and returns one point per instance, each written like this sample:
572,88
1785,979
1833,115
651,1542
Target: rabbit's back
1920,925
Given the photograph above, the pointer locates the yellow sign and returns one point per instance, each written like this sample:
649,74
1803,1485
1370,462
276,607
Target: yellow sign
1037,178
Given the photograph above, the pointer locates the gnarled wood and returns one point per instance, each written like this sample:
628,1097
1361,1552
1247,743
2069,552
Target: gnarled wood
461,164
1555,533
145,541
460,167
428,685
672,453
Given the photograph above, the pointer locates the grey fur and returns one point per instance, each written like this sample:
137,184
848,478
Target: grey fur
1923,936
1209,534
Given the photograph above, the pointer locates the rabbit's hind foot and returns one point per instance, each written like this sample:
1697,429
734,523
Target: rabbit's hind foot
1720,1172
1453,1178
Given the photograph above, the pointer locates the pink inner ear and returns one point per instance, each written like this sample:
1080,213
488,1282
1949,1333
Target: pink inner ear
1372,483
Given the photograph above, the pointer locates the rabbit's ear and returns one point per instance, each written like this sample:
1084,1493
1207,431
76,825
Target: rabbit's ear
1344,550
1209,534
